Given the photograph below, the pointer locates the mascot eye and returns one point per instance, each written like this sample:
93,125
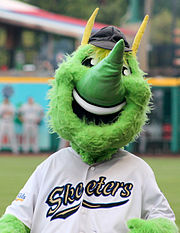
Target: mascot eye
126,71
89,62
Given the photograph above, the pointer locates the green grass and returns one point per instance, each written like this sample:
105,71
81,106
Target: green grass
167,172
14,171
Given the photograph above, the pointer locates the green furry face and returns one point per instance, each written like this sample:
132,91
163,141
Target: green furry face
93,142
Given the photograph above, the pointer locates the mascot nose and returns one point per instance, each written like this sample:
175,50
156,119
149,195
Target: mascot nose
101,84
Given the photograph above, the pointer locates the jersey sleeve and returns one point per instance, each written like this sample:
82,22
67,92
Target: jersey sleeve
22,207
40,111
154,203
13,110
19,112
1,111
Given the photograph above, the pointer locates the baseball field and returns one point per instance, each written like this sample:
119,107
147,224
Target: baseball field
15,170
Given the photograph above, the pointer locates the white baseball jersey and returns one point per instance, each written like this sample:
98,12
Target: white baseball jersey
31,113
66,195
7,112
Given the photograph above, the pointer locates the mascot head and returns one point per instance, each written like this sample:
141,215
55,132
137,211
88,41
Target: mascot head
99,97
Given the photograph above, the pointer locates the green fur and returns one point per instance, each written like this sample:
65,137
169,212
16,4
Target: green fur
97,143
157,225
10,224
100,53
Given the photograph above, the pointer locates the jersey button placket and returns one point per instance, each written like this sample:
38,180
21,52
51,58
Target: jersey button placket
92,168
83,219
83,211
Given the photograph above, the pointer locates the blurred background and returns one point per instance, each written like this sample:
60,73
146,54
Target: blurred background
35,35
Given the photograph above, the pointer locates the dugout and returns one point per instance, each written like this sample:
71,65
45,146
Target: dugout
170,88
162,132
33,41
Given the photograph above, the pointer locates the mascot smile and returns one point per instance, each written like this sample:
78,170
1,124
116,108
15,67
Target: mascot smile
98,101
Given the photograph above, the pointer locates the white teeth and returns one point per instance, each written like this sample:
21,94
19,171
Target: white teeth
95,109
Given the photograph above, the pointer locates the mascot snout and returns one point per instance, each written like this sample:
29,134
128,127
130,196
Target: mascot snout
101,84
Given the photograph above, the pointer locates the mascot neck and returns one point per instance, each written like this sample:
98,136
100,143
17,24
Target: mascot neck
91,157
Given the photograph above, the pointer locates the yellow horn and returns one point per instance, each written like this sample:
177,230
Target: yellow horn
139,35
89,27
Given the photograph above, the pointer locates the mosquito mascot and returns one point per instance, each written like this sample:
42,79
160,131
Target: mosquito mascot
98,101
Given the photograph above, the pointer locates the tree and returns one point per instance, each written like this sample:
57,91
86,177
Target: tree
161,28
111,12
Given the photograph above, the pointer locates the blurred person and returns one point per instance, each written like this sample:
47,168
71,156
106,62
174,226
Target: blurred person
30,114
7,113
143,139
60,56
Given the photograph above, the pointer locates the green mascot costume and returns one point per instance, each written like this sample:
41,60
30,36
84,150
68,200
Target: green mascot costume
98,101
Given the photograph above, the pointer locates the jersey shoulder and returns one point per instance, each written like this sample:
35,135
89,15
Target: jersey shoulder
134,162
60,158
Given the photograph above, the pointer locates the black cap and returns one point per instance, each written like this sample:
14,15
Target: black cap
107,37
